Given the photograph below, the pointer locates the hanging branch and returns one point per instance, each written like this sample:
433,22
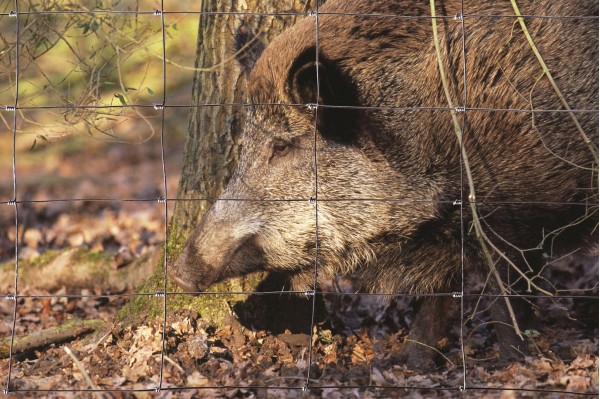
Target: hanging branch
482,238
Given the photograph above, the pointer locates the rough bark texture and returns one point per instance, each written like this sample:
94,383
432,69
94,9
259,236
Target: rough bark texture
211,152
212,146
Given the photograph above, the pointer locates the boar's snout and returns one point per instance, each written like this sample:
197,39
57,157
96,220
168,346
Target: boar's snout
184,275
216,250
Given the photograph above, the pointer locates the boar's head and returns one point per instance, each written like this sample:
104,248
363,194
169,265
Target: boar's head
293,152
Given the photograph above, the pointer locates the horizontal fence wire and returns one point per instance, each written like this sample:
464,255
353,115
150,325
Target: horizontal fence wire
161,294
305,383
201,389
292,14
310,200
249,105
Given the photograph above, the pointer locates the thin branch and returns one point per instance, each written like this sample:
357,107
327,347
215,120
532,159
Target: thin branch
546,71
472,197
52,335
85,375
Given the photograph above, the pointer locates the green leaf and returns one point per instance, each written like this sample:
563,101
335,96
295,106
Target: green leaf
130,88
327,339
86,28
39,136
150,91
95,25
121,98
174,26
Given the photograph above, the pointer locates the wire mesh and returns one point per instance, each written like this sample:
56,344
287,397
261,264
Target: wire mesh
165,197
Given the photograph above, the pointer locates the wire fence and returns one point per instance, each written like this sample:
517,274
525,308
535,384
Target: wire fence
309,380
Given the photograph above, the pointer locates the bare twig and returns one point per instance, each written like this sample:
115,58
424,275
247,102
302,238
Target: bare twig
175,364
546,71
482,238
52,335
84,373
80,367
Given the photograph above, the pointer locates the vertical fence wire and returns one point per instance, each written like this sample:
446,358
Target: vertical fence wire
316,198
165,191
164,200
15,200
462,199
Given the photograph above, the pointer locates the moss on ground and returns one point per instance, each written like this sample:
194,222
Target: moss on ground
84,255
41,260
213,306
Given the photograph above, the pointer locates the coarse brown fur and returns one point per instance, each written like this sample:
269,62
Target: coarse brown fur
387,175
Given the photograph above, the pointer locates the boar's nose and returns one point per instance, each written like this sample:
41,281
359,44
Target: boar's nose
185,285
181,273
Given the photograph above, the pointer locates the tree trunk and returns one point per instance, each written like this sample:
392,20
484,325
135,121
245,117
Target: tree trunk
212,146
213,142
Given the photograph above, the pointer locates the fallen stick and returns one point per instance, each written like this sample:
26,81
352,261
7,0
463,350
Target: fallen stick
53,335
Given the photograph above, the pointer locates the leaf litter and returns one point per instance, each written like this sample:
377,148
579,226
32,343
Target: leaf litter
357,347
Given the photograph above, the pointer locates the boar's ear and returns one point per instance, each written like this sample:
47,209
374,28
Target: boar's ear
248,48
333,89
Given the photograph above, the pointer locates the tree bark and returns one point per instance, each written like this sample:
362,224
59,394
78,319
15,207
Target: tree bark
213,141
213,145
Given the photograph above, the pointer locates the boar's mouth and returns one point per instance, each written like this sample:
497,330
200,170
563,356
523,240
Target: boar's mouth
194,273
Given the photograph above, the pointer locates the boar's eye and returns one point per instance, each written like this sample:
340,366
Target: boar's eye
280,149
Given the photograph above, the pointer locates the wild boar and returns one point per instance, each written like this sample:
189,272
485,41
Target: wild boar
364,130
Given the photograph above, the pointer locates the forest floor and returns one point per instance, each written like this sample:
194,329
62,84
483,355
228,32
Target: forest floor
354,349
